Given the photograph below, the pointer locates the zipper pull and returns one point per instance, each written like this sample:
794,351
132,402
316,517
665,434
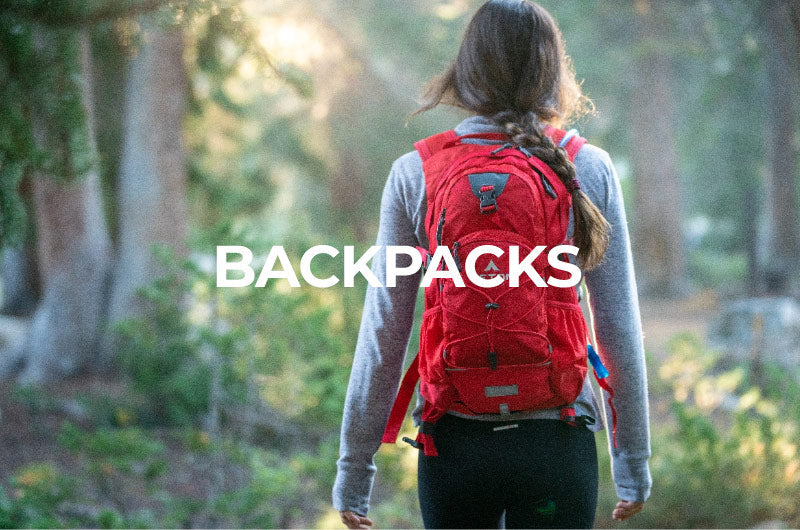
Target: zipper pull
504,146
492,360
524,151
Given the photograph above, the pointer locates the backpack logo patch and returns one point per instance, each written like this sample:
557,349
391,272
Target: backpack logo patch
491,267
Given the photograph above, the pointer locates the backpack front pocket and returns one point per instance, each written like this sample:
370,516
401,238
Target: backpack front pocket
506,388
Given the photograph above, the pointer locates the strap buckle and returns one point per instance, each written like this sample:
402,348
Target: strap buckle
488,200
426,429
570,417
413,443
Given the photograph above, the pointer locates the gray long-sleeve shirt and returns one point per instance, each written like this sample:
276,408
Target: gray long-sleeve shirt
389,313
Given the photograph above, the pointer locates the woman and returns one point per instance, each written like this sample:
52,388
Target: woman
512,74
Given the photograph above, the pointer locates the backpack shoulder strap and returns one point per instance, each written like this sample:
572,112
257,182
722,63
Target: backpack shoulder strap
428,147
569,140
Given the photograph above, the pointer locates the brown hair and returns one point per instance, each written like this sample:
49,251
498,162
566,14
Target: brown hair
512,68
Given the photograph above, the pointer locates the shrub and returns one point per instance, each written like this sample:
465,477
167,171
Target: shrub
727,454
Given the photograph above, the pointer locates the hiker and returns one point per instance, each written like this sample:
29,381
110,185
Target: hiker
511,454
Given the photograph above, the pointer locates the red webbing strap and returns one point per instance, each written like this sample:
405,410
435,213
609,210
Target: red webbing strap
605,386
556,134
423,252
573,145
404,395
568,416
425,438
427,147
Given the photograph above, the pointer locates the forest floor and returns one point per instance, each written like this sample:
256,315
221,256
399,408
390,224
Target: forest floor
663,319
31,423
30,430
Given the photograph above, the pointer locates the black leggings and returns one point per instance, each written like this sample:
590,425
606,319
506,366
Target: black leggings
540,474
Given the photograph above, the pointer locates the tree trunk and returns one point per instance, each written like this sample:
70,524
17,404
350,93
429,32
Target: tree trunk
73,251
780,135
20,272
152,180
20,294
794,11
657,213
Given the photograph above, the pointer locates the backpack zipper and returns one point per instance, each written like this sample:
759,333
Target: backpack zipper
455,255
440,228
548,188
450,368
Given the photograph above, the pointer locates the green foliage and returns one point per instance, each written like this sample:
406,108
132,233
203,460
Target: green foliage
44,86
37,491
161,354
274,348
285,346
123,450
728,455
270,479
394,501
716,52
42,91
34,398
12,208
41,496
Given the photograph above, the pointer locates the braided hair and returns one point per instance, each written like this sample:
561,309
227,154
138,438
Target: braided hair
591,230
512,67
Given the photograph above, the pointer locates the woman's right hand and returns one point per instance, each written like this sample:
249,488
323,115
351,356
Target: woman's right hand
354,521
626,509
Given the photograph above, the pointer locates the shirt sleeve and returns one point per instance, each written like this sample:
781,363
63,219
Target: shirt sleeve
379,356
617,324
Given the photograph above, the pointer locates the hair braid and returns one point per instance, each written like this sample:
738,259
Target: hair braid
591,230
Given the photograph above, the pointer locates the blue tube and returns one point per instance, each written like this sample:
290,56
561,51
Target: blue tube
599,370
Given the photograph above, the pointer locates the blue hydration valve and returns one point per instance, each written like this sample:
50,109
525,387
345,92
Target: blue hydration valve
599,370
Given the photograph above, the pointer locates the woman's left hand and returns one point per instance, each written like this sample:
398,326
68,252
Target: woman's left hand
626,509
354,520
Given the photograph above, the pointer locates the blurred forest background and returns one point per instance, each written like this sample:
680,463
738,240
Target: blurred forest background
136,135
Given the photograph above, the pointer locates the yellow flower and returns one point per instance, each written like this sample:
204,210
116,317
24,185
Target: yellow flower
124,417
29,478
36,474
203,439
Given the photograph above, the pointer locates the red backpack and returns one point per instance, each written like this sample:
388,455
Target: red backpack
497,349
